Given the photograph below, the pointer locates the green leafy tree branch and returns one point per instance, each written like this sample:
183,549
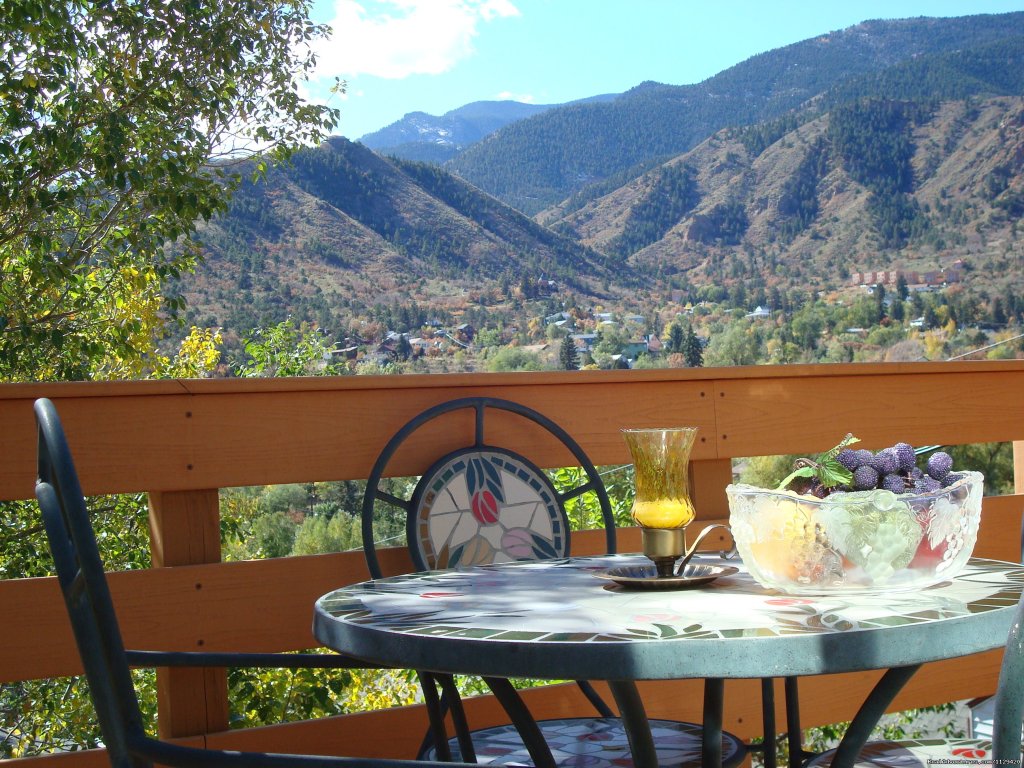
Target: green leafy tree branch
125,123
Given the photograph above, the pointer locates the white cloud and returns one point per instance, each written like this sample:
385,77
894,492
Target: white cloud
398,38
525,98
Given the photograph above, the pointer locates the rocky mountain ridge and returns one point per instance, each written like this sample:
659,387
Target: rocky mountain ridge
805,213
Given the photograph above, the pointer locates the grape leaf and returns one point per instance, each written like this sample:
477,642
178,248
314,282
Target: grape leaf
832,473
829,472
801,472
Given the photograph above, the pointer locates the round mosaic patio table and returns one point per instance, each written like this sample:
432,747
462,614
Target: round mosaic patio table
554,619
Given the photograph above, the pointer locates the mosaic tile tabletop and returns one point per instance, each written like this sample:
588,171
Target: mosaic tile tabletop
554,619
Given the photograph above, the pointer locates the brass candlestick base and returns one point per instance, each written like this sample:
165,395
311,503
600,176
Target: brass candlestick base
664,546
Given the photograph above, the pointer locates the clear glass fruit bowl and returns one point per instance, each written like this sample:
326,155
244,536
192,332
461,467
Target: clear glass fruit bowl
858,541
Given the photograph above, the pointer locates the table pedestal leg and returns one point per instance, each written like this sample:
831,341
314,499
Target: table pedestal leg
711,742
634,720
870,713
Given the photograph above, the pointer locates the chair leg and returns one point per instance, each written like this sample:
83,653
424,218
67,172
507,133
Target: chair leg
595,699
714,701
435,712
521,718
795,735
458,713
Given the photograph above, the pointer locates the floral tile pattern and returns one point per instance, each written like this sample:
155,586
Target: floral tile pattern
554,619
598,743
486,506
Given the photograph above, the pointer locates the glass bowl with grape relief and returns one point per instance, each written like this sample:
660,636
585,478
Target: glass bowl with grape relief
855,541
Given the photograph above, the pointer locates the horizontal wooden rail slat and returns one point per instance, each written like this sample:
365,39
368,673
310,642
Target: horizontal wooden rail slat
397,732
172,442
216,598
794,415
215,434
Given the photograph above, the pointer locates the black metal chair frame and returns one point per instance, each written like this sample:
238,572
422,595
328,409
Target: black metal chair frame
449,699
1009,710
97,634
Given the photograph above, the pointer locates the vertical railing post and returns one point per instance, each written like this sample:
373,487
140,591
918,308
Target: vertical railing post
708,479
1018,480
185,530
1018,466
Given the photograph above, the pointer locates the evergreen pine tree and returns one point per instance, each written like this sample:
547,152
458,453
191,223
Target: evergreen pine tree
901,287
676,337
567,356
692,349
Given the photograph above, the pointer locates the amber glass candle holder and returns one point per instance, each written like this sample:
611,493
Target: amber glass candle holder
662,506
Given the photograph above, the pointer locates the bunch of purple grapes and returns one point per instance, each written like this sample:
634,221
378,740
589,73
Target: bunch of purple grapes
895,469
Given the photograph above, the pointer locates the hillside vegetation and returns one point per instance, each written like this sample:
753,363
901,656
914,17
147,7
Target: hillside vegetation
344,229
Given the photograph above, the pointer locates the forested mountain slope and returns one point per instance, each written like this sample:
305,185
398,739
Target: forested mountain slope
534,163
916,166
343,228
429,138
869,185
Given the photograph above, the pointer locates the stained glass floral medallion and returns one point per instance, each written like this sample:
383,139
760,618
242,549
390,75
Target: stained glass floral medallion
476,507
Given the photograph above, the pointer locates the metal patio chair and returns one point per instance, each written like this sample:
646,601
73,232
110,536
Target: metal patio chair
452,518
97,634
1004,747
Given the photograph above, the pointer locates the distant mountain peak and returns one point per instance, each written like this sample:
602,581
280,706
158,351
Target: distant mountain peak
436,138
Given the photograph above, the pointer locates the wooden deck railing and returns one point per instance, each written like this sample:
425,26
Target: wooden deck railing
181,441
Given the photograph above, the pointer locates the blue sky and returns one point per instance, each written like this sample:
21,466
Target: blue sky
400,56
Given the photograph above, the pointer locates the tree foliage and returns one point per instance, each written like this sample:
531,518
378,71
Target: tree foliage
287,349
568,357
121,126
873,139
798,203
692,349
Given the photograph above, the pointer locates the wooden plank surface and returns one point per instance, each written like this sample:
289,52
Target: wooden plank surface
257,605
172,442
811,414
212,434
185,530
397,732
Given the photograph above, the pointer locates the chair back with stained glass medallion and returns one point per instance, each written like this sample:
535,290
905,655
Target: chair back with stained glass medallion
482,503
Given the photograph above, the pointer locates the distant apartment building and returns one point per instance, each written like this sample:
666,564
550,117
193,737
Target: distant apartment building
890,277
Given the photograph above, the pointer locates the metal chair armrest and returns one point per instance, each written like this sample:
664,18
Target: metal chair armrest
137,658
191,757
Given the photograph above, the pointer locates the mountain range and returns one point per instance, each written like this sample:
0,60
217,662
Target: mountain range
435,139
535,163
891,143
